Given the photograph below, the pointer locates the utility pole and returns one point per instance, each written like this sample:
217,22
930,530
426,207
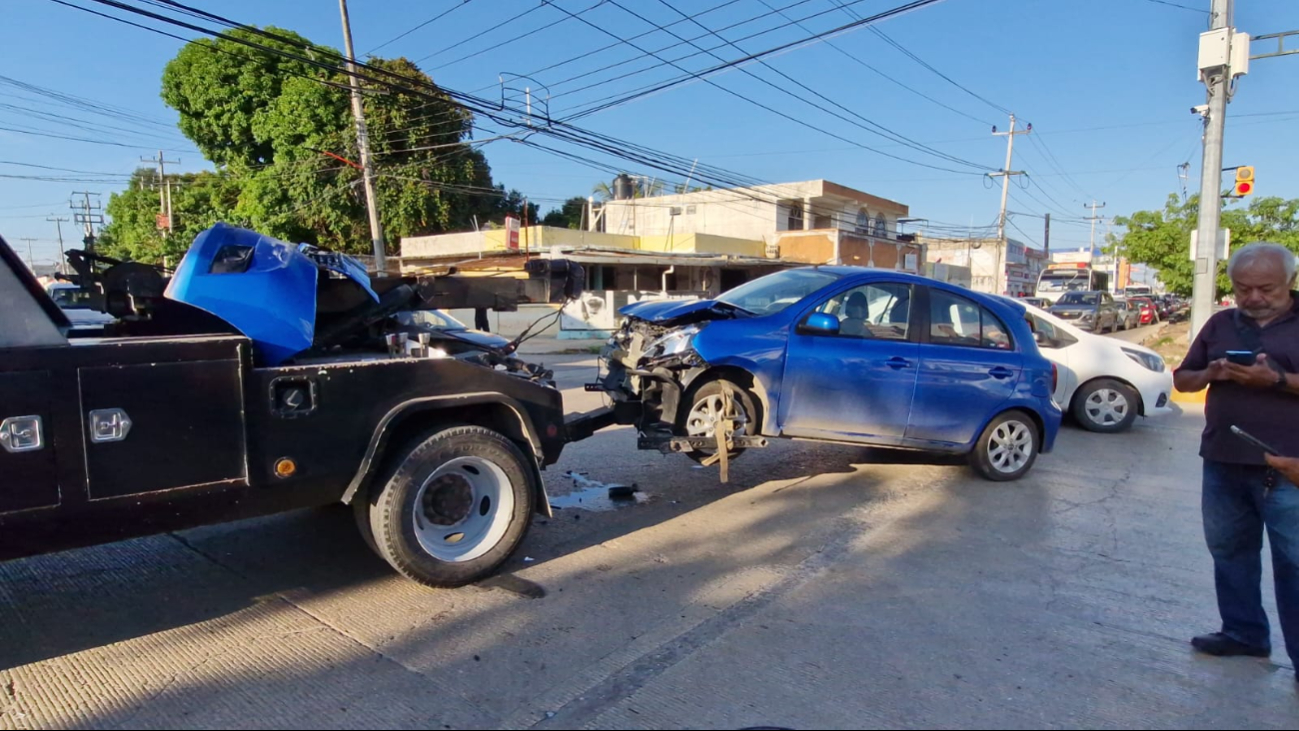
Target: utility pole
363,143
87,217
58,224
1005,174
1046,238
1216,72
1093,218
31,261
164,191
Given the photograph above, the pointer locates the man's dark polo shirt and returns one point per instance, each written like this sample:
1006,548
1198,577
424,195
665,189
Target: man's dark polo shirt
1269,414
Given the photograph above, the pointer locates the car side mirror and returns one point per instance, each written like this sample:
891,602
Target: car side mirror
819,323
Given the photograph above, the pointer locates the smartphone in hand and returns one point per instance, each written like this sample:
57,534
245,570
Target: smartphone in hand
1254,440
1242,357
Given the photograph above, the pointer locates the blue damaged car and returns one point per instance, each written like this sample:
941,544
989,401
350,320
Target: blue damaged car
838,354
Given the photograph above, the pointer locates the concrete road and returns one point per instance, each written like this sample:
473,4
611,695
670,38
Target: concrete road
824,587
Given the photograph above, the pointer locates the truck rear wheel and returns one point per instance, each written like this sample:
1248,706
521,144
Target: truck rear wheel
453,507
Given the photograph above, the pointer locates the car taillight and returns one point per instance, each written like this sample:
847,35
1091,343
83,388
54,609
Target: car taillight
1055,377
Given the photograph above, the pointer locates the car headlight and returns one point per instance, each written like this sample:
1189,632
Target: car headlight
1149,360
673,343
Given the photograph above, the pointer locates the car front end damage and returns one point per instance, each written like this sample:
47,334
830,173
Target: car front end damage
654,369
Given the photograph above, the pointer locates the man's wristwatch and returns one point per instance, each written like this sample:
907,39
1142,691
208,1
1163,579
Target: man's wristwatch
1282,383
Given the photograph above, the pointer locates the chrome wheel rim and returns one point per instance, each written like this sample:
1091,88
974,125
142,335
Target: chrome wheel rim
1106,407
1011,446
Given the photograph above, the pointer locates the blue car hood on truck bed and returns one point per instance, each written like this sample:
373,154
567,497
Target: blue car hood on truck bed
668,312
263,287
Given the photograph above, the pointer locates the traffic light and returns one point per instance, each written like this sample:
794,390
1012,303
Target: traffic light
1244,181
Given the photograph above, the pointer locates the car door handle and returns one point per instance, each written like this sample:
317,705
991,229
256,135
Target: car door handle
1001,372
897,363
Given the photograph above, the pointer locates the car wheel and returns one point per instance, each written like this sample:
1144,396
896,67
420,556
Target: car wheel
452,507
1106,405
708,406
1007,448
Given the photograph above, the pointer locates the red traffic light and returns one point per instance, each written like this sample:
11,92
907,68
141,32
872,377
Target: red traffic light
1244,188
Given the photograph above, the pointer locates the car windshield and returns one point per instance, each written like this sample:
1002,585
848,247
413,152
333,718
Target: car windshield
1080,298
774,292
431,318
71,298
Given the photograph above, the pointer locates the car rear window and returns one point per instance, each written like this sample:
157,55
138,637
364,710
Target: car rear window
955,320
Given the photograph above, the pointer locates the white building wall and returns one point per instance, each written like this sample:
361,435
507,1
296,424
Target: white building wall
721,212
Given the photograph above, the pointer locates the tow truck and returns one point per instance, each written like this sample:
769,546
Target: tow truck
263,377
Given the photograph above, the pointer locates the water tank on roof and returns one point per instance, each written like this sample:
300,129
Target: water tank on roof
624,188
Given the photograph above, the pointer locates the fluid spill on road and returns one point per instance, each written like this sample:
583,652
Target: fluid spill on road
588,494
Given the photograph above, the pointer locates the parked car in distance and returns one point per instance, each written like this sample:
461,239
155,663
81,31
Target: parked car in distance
1146,309
1092,311
1129,314
843,354
447,332
1104,383
75,303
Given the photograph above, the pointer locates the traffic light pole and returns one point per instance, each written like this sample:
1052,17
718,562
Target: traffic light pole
1204,290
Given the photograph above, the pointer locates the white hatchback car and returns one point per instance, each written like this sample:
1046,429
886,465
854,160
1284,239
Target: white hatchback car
1104,382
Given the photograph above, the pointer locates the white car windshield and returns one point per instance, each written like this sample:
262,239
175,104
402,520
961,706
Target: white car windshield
774,292
71,298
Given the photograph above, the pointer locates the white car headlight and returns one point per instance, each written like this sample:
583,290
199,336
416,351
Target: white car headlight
673,343
1149,360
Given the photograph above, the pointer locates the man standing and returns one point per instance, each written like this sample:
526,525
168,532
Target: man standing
1242,494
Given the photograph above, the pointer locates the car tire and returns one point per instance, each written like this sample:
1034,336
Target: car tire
705,403
1007,448
452,506
1106,406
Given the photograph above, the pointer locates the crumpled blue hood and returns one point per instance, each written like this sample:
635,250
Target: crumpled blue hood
263,287
665,311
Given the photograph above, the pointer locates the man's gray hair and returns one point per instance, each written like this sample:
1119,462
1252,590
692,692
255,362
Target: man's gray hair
1250,252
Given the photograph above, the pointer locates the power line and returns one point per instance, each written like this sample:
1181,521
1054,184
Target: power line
602,49
1178,5
872,127
459,4
562,130
893,12
517,38
480,34
682,43
861,62
924,63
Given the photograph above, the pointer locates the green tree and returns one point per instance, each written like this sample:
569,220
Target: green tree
198,201
569,215
281,137
1162,238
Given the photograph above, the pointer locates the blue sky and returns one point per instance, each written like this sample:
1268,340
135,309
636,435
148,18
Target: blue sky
1107,85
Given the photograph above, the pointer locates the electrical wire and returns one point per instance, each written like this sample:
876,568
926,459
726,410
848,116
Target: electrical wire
459,4
687,56
622,149
517,38
788,46
885,76
496,25
870,126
